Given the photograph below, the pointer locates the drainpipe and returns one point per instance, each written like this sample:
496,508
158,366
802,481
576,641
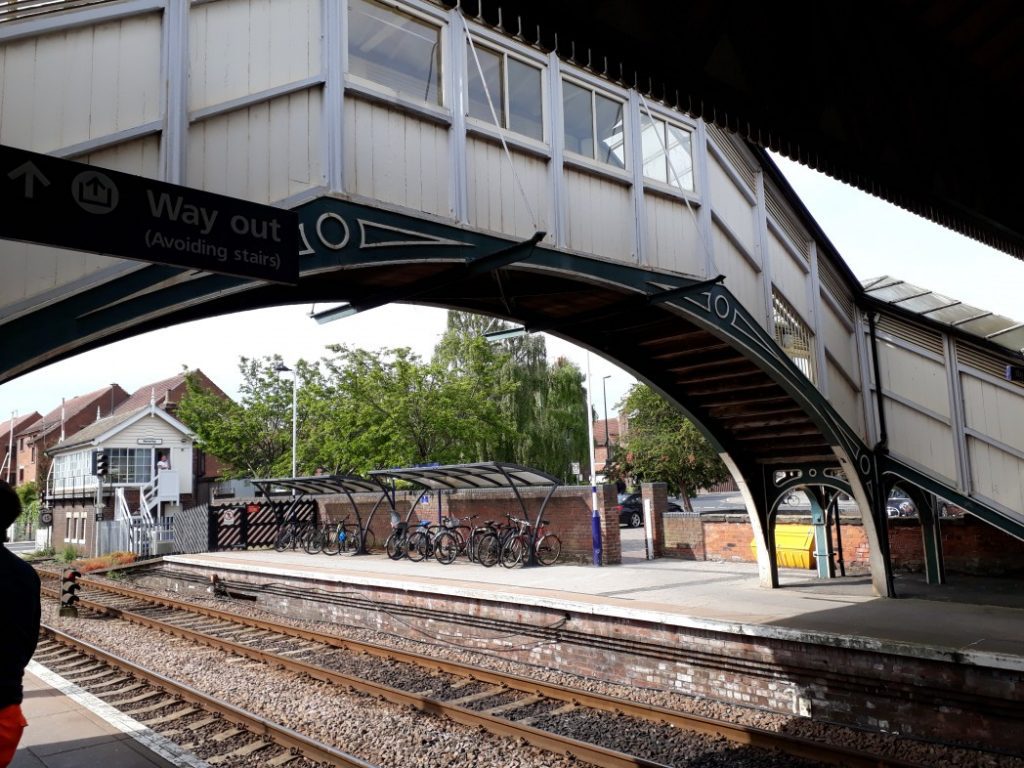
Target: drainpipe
883,433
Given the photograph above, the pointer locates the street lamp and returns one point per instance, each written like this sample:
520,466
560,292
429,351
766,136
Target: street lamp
282,368
604,393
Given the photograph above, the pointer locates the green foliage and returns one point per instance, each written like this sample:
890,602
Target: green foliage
661,444
40,554
69,554
28,493
252,437
360,410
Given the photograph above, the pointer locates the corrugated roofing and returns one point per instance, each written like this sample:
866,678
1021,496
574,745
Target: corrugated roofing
319,484
983,324
488,474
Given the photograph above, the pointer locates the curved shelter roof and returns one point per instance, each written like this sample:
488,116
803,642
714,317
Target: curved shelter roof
319,484
488,474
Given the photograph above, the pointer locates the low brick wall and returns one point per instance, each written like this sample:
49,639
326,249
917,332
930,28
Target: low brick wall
969,545
918,693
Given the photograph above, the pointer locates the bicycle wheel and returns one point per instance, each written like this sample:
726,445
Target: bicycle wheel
447,547
332,545
395,546
419,545
314,541
549,547
283,539
488,550
512,552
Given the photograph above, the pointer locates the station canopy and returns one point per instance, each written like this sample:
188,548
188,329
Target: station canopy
488,474
318,484
979,323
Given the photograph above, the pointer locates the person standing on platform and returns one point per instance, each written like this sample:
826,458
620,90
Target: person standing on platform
162,463
19,616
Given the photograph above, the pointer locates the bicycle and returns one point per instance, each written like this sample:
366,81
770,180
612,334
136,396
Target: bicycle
421,541
344,536
487,540
397,544
292,535
450,541
547,546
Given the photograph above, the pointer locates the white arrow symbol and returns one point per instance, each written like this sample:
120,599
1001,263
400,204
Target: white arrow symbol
31,174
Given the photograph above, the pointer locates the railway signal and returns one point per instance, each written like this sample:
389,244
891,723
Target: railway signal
100,467
69,587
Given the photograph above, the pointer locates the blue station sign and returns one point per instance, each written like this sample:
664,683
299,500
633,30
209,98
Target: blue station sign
59,202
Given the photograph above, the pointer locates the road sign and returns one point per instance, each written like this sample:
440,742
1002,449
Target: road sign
59,202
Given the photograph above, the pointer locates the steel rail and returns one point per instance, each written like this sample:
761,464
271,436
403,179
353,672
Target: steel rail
590,753
279,734
740,734
743,735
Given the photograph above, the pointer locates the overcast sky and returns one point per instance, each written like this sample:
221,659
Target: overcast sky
874,238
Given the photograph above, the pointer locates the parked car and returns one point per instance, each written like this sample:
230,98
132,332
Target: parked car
631,509
899,505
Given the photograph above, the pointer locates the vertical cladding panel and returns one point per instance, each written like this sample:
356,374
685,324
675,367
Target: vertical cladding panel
839,341
993,411
600,217
845,398
914,377
788,275
495,201
239,47
30,270
742,280
673,236
920,439
84,83
265,153
396,158
731,205
140,157
996,474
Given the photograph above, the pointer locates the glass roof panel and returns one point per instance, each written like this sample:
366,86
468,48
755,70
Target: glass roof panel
894,292
985,326
927,303
1011,340
954,314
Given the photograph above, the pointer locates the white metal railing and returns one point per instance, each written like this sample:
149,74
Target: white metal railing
144,539
122,511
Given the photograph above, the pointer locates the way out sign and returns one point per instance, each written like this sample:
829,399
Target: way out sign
59,202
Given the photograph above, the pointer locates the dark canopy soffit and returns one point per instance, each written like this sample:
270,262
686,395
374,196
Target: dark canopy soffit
884,95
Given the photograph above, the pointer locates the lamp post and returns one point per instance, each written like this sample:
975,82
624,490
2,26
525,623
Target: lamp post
282,368
595,518
604,396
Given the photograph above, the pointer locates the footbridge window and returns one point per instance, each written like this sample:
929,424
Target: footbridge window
396,50
594,124
668,155
793,335
514,88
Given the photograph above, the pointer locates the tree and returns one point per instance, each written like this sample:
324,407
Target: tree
542,402
252,437
661,444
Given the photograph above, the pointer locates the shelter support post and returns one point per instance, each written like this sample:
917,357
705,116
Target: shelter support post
928,506
822,540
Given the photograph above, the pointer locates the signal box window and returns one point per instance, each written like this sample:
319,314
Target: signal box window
668,155
395,50
594,125
514,88
131,465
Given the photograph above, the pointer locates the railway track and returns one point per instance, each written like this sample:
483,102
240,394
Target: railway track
220,732
544,715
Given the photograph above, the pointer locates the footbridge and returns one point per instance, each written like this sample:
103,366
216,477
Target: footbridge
434,159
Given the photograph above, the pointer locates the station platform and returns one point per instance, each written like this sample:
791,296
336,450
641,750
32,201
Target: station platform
70,729
973,621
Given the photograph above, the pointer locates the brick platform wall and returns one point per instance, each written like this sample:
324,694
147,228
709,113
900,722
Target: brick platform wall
938,696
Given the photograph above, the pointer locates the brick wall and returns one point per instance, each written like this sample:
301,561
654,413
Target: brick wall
568,513
775,670
969,545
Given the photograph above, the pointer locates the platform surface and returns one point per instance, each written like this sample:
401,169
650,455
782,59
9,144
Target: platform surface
979,621
62,733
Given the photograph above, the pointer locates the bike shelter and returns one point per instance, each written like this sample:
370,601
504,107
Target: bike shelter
320,485
481,475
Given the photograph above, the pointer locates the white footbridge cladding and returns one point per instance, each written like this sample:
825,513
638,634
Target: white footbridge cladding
413,107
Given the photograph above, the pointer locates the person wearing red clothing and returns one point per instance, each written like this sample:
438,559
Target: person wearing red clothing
19,616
